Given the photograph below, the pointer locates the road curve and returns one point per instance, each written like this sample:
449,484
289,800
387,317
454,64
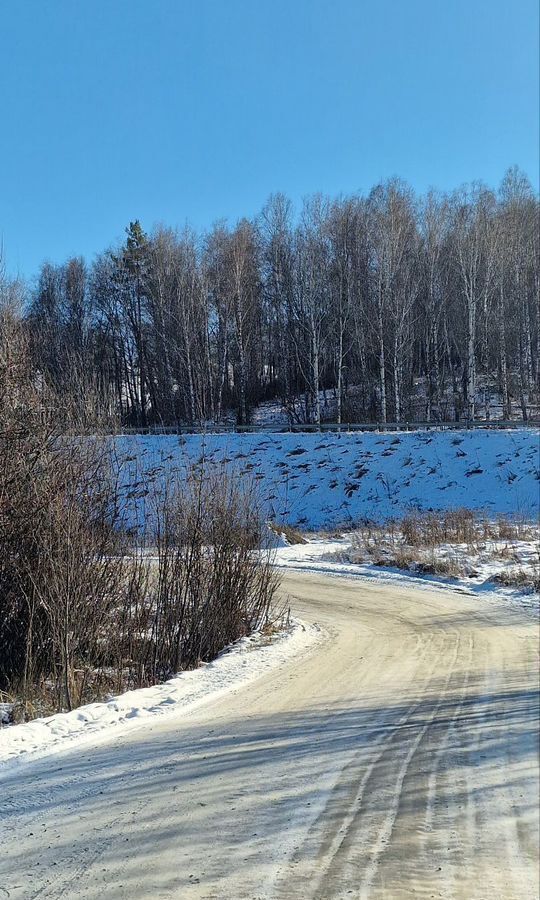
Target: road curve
397,759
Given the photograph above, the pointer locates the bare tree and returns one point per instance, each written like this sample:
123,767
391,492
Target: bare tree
390,305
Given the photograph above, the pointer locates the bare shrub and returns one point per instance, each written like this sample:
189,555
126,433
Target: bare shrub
211,584
84,609
59,561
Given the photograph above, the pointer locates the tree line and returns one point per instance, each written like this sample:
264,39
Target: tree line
400,306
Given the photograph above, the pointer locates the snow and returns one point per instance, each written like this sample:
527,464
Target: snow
324,480
241,663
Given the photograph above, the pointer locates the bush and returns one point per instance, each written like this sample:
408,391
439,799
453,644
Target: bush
60,565
84,609
210,586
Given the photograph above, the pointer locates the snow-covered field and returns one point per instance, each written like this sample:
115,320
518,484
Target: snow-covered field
323,480
243,662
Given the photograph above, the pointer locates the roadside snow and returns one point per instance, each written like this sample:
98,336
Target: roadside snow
320,480
241,663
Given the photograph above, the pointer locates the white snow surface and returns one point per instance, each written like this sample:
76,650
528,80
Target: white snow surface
237,665
322,480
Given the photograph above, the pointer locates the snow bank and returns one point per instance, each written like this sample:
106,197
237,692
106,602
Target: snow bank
236,666
320,480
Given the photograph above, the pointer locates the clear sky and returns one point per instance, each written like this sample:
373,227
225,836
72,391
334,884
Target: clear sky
175,110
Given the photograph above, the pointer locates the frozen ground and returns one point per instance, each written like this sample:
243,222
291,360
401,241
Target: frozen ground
320,480
235,667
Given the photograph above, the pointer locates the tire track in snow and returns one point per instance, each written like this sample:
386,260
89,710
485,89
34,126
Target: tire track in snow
332,843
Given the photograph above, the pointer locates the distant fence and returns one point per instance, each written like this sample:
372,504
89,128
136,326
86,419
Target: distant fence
347,428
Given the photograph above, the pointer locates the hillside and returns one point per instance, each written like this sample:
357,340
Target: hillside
321,480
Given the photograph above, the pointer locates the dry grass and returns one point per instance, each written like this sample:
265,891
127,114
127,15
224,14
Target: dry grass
407,558
461,526
507,553
458,526
332,534
528,580
292,535
449,544
448,567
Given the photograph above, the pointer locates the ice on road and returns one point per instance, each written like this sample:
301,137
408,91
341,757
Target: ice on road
397,758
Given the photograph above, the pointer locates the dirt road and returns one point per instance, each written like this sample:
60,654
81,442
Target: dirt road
398,759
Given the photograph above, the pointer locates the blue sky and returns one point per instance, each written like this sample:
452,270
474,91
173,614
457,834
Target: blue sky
175,110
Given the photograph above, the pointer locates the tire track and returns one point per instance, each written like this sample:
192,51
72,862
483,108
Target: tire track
331,844
380,834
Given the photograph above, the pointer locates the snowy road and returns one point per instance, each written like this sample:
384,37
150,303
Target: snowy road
398,758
